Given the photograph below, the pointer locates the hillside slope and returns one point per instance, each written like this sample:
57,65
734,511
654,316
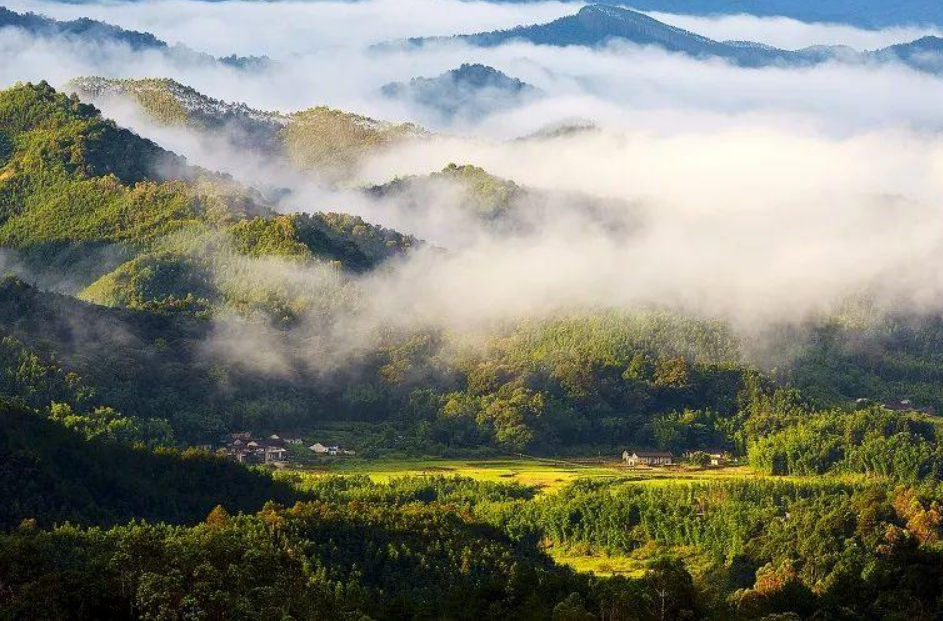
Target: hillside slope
501,205
583,378
53,475
74,184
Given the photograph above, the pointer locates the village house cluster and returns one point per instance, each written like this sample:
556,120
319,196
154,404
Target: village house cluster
902,406
332,451
273,450
243,448
634,459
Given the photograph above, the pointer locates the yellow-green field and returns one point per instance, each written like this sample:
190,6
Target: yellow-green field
548,475
599,564
634,565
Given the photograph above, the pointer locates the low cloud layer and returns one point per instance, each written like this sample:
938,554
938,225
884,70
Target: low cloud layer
750,223
790,34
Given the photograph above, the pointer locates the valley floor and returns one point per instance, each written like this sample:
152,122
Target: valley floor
548,475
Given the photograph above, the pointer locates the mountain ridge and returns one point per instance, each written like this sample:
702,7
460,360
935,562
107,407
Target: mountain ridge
869,14
321,140
97,32
600,24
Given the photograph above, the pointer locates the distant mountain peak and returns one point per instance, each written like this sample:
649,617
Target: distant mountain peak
596,25
471,90
483,76
928,42
605,9
618,14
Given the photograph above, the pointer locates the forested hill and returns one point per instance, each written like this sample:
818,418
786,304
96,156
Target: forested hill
470,91
61,476
503,206
35,120
328,144
74,185
589,379
324,142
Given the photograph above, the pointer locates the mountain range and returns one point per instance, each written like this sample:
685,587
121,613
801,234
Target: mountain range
200,264
872,14
176,245
320,140
598,25
102,185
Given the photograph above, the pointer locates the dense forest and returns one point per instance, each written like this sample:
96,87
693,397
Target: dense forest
53,474
453,548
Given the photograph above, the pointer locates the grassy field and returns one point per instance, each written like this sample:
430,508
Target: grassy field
599,564
548,475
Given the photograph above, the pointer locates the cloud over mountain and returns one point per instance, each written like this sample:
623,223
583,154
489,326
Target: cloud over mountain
470,92
596,25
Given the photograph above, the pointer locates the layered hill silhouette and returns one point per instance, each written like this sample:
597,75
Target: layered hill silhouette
598,24
158,247
470,91
96,33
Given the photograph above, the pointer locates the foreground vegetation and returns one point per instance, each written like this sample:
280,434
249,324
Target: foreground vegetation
433,547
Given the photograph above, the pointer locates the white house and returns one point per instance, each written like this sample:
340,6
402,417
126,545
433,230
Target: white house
274,454
647,458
